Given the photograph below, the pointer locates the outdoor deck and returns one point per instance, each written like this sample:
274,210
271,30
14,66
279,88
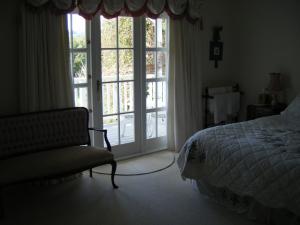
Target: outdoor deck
127,130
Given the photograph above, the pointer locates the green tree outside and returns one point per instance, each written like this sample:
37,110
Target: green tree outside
109,40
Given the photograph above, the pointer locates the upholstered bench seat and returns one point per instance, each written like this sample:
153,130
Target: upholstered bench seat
52,163
49,144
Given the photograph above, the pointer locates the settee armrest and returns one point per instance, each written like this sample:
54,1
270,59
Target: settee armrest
104,131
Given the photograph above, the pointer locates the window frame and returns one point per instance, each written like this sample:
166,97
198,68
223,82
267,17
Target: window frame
94,85
119,81
156,79
86,51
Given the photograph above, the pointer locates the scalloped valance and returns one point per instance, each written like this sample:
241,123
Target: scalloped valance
191,9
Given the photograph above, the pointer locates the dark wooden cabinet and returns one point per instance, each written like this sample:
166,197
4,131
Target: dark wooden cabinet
256,111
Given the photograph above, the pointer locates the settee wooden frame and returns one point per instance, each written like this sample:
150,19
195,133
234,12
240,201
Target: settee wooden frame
112,162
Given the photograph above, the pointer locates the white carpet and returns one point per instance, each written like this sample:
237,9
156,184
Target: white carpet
158,199
141,164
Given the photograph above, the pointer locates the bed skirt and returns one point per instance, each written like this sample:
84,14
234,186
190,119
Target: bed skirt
247,206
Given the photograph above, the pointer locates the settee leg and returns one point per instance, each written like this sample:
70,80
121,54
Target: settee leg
113,172
91,173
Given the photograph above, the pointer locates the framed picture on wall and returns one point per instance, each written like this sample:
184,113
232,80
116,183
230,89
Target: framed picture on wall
216,50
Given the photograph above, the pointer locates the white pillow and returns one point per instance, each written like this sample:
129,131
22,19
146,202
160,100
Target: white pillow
292,112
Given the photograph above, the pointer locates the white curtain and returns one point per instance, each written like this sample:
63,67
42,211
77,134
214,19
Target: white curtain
45,80
185,82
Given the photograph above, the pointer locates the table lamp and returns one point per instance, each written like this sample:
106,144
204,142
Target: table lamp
274,87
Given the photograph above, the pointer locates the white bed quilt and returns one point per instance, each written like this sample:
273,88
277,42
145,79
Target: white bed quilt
258,158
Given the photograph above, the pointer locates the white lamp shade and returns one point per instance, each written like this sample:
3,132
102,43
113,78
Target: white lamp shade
275,82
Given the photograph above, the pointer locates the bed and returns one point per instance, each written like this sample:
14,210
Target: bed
259,159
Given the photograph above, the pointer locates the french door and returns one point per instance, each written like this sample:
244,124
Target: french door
123,79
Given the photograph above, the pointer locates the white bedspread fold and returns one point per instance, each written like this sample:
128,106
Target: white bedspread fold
258,158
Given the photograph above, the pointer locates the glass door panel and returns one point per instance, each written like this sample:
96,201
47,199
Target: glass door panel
156,56
117,76
79,58
127,128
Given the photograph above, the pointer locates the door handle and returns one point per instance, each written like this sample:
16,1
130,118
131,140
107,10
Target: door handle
98,90
98,86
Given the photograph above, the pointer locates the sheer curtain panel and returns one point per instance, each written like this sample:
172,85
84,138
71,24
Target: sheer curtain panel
45,79
185,81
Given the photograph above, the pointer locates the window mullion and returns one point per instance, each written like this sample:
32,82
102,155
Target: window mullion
89,64
96,77
71,23
72,53
143,83
79,50
156,86
118,79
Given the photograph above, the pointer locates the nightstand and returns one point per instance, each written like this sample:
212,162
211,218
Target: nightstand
255,111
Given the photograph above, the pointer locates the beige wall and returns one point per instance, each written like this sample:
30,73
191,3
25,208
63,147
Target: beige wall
217,12
259,37
267,39
9,57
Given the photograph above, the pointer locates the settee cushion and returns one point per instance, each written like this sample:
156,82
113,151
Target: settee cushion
46,130
47,164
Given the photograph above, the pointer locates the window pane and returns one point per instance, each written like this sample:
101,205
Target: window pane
79,68
110,98
108,33
78,28
162,123
125,32
126,97
126,64
81,97
151,125
150,33
111,124
151,95
161,32
161,64
109,65
70,30
150,64
161,93
127,128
